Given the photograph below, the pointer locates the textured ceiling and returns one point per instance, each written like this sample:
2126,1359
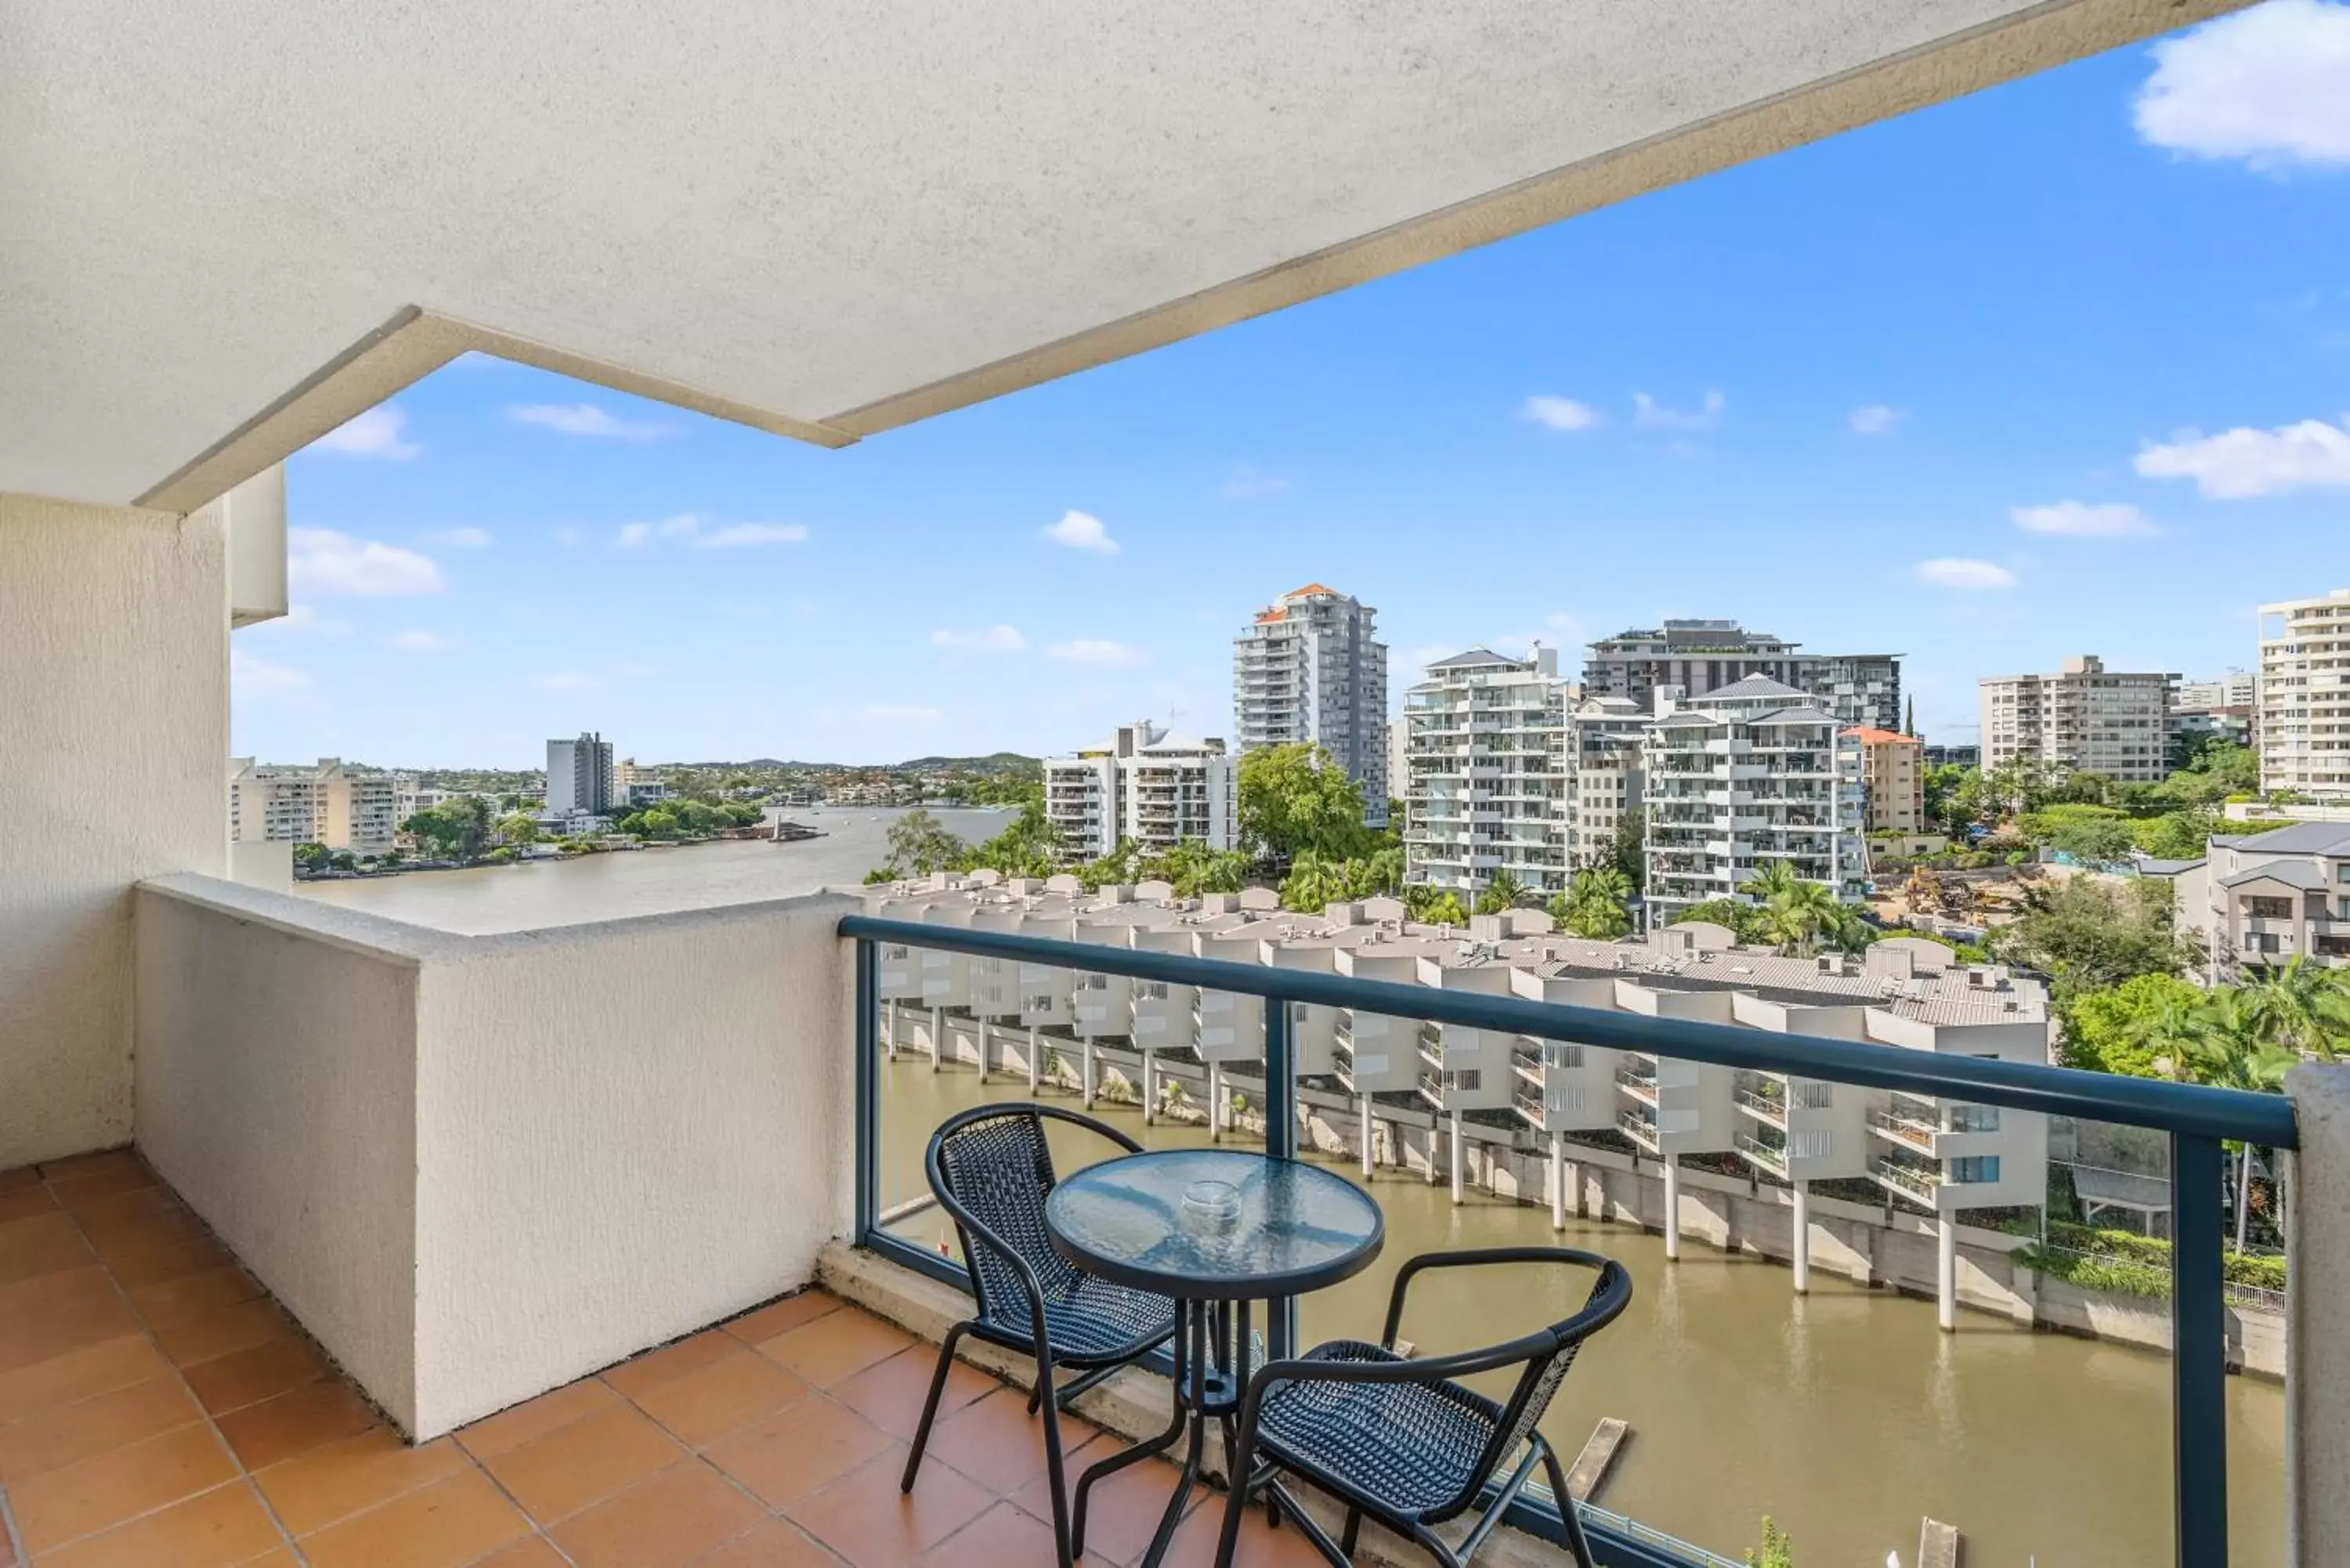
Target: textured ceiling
823,219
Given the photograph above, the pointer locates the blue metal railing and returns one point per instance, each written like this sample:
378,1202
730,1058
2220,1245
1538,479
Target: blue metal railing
2196,1119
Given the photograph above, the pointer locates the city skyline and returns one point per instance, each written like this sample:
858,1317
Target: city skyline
1935,419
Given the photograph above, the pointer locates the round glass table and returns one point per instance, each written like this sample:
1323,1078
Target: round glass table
1216,1230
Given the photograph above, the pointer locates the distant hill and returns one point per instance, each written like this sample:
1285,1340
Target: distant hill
994,763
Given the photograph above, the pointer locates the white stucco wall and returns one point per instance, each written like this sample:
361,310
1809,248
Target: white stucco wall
278,1092
478,1166
625,1131
113,725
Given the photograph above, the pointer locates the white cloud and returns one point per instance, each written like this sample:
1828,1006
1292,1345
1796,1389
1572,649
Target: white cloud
417,641
1648,412
889,713
460,538
686,526
2310,455
1559,413
249,675
2270,85
1081,531
1097,650
306,618
1876,418
586,419
740,536
326,562
569,538
1247,481
988,640
1957,572
2083,520
375,433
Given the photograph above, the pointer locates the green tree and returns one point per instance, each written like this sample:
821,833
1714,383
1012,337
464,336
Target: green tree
2095,841
313,856
457,829
1295,799
1501,891
2138,1028
1597,905
1434,905
1627,851
519,828
2300,1007
921,845
2090,937
1745,921
1796,916
1776,1550
1029,846
2232,1048
1192,868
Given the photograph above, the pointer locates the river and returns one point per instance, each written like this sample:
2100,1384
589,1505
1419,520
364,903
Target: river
535,893
1846,1414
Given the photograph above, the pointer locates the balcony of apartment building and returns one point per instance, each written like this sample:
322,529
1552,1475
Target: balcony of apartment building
459,1248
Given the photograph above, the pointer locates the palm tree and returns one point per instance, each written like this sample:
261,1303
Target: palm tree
1597,906
1797,916
2302,1007
1771,879
1501,892
2229,1047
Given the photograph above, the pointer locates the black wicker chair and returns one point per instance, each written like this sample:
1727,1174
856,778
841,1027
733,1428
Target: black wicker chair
1399,1439
991,1170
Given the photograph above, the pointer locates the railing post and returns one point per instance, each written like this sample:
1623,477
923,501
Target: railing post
2199,1349
869,1087
1281,1143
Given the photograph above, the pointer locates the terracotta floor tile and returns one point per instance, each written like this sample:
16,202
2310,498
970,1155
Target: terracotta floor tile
102,1492
889,1394
23,1175
72,1433
220,1330
310,1417
998,1444
100,1368
1003,1536
258,1372
91,1164
836,1345
534,1418
81,1193
451,1522
175,1301
530,1551
664,1521
40,1244
779,1317
58,1313
703,1406
227,1525
151,1265
584,1462
24,1203
142,1226
655,1368
775,1544
865,1518
802,1450
334,1482
1122,1511
1260,1546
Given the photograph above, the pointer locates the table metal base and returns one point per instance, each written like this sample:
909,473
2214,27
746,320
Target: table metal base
1208,1386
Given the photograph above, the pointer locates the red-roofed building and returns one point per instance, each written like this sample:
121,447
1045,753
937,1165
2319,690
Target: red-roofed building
1310,668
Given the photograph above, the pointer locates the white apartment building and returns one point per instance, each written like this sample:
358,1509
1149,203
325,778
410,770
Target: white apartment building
1145,783
359,808
1893,770
1604,779
1699,657
1940,1156
272,803
579,777
1751,773
2083,719
2305,696
2268,898
1487,785
1310,670
2224,708
634,785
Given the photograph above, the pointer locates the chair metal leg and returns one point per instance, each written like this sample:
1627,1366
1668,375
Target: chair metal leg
1352,1533
1135,1455
1054,1477
1578,1545
1235,1502
930,1405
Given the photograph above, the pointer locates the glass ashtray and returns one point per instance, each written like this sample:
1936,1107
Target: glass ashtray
1210,1206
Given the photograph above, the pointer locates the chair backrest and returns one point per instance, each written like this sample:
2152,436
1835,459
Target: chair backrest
1544,1370
992,1167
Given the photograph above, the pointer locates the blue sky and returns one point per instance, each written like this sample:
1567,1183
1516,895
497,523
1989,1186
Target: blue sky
2060,367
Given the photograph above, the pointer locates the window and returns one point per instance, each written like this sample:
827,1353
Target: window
2269,909
1814,1096
1975,1118
1469,1079
1094,982
1557,1056
1043,1002
895,953
1975,1167
1149,990
1815,1144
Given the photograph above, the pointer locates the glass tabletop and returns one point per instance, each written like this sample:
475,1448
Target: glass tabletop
1214,1224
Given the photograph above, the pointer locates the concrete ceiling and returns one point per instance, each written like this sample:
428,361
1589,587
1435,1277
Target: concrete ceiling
227,225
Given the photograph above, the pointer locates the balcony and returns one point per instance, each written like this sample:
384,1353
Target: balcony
1913,1181
1640,1084
1641,1126
1771,1157
1768,1109
1906,1131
